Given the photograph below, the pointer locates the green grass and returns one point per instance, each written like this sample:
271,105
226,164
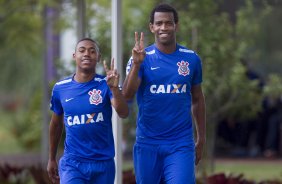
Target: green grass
256,170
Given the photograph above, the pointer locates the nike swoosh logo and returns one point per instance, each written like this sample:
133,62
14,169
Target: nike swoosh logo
69,99
154,68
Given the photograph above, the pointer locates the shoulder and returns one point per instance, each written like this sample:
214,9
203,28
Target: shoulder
63,82
150,50
188,52
100,78
183,49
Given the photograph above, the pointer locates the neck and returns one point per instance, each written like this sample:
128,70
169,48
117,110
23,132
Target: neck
167,49
83,77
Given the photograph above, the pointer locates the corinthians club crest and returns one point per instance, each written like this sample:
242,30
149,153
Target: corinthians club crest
95,97
183,68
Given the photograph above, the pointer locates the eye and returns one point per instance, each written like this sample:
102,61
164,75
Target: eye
81,50
169,23
158,23
93,51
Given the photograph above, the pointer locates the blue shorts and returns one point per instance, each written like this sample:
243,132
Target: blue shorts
72,171
170,164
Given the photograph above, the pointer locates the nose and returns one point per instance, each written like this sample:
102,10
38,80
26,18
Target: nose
87,52
163,27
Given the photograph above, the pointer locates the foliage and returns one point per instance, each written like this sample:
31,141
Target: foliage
274,86
27,124
221,45
19,45
22,46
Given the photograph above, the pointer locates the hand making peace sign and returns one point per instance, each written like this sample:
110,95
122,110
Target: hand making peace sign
112,75
138,53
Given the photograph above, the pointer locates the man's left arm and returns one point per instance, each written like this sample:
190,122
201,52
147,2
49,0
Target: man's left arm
119,102
199,114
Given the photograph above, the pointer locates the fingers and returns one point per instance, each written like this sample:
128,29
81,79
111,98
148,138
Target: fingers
53,175
115,72
113,64
197,160
136,39
105,66
139,44
198,153
142,40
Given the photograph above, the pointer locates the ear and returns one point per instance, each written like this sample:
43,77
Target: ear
176,27
151,28
73,56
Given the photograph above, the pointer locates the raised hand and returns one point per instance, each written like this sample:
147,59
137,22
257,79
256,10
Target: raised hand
112,75
138,53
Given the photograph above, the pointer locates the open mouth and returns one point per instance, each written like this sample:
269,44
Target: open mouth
163,35
86,61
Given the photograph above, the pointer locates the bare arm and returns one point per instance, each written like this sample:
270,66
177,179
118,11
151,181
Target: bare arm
199,114
118,101
55,132
132,81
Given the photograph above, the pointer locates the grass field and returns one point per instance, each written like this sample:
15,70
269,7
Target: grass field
252,169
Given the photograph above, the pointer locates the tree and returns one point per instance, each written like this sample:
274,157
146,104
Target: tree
22,46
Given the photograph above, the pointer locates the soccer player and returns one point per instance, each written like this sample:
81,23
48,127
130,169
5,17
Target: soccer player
83,105
167,78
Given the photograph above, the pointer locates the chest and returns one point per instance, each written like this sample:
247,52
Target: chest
168,70
88,99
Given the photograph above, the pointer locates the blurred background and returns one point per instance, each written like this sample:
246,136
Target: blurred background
239,42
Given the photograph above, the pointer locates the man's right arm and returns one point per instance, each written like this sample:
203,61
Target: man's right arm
55,133
131,82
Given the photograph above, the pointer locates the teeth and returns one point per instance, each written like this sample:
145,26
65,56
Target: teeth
85,61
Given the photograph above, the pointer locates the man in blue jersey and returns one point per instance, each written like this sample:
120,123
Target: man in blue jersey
83,105
167,78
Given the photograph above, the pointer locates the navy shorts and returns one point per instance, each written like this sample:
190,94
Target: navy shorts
72,171
169,164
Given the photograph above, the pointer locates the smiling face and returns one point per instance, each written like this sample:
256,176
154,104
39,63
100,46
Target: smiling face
86,56
164,28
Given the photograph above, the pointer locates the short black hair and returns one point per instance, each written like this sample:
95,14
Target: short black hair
89,39
163,7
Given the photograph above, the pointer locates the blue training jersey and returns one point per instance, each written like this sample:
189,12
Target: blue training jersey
87,117
164,95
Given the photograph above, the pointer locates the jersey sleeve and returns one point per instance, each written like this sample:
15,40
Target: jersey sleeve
128,67
55,104
197,77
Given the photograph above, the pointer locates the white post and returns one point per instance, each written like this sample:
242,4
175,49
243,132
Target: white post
81,19
117,55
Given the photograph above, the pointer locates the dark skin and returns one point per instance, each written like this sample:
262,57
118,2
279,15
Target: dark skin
164,28
86,57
